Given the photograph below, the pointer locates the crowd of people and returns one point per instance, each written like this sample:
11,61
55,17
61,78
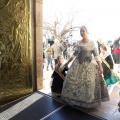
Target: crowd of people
52,51
85,82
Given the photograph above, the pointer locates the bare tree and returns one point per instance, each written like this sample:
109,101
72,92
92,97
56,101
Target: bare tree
60,28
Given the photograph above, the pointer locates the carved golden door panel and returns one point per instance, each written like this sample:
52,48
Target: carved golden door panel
15,50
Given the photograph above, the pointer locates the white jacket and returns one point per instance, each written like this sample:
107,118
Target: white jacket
57,50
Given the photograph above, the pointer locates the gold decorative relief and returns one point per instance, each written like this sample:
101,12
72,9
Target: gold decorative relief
15,52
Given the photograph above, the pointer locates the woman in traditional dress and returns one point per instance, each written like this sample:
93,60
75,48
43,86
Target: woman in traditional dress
58,76
107,64
84,85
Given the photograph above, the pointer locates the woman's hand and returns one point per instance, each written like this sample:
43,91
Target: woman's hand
100,70
100,67
66,64
111,70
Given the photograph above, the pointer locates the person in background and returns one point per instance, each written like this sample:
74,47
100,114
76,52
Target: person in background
107,64
49,57
84,85
116,51
43,59
116,54
99,43
69,49
109,46
57,50
58,76
51,41
65,50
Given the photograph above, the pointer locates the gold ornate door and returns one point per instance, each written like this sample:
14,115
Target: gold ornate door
15,49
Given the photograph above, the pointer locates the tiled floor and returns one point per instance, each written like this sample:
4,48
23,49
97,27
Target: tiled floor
108,110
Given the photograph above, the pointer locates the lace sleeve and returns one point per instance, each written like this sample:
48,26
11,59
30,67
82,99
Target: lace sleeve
95,52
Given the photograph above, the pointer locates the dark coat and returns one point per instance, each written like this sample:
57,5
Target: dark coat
106,70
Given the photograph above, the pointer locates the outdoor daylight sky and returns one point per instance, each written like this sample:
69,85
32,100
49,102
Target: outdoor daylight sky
102,17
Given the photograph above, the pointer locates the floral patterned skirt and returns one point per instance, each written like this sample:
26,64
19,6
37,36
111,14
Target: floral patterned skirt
83,86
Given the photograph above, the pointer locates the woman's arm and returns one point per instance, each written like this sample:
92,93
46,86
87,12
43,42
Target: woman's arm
100,67
69,61
97,58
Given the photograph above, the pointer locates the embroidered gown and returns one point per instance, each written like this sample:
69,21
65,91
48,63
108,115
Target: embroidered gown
57,82
83,86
